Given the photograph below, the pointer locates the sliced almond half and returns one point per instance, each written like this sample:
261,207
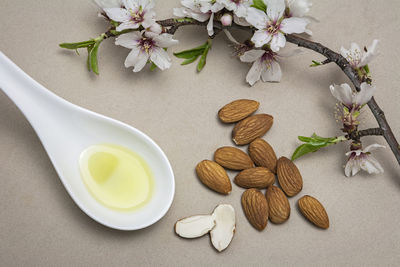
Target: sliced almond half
195,226
225,225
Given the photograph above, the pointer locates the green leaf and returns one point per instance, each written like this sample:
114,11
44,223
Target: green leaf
77,45
93,58
153,66
190,60
315,63
259,4
305,149
197,51
366,68
203,59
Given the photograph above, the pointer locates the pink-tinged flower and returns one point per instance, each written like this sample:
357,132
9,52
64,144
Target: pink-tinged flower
272,26
200,10
363,160
359,58
145,47
239,7
226,19
135,14
264,66
351,99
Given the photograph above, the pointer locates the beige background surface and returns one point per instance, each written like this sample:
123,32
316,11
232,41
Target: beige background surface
39,223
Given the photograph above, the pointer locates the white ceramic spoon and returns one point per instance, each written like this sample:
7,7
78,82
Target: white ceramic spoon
65,130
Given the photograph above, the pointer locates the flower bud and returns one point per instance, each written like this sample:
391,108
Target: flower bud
156,28
226,19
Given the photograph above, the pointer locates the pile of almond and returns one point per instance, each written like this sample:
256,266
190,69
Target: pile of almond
258,169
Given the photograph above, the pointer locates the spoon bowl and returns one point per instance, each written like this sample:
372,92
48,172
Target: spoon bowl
65,130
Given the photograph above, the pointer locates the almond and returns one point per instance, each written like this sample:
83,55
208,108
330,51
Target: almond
237,110
251,128
233,158
313,210
289,177
278,205
263,154
214,176
258,177
255,208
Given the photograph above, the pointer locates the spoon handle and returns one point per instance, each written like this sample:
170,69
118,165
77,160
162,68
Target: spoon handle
34,100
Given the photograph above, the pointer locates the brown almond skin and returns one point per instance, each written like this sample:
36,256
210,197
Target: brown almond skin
237,110
258,177
278,205
289,177
255,208
233,158
214,176
251,128
263,154
313,210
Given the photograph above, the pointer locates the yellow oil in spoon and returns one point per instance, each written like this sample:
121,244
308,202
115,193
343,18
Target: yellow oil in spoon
116,177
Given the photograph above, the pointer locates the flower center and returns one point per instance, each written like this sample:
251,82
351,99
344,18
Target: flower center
146,44
137,16
273,27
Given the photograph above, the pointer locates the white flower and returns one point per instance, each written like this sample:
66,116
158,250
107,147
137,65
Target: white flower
273,25
200,10
108,3
239,7
359,58
298,8
351,99
264,66
362,160
145,47
135,13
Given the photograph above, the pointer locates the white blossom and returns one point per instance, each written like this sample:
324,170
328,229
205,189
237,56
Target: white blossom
363,160
200,10
239,7
134,14
359,58
298,8
272,25
146,46
351,99
264,66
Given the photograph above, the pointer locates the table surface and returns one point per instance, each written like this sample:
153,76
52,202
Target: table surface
40,224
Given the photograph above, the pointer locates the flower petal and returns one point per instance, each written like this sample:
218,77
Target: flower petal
294,25
343,93
165,40
272,73
128,40
370,54
365,94
254,73
275,9
118,14
160,57
372,147
278,41
257,18
260,38
252,55
210,25
127,25
142,59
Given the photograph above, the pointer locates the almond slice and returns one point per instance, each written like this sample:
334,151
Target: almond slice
225,225
195,226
